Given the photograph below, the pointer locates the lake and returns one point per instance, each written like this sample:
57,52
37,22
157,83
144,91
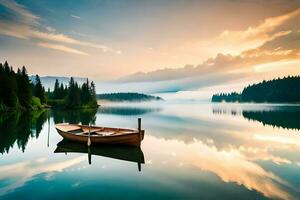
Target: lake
190,151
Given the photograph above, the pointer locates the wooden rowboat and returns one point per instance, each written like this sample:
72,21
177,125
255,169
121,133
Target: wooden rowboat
125,153
101,135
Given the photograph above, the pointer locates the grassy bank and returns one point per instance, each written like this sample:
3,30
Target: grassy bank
35,105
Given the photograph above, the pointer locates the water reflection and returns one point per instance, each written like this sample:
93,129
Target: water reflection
85,116
24,171
19,127
276,116
126,153
232,166
121,110
193,151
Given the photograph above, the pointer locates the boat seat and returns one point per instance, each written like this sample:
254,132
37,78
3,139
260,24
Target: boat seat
75,131
106,133
69,128
92,132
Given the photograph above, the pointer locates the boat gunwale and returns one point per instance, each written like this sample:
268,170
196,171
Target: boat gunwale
132,131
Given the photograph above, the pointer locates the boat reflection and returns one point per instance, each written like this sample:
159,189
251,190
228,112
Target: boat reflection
126,153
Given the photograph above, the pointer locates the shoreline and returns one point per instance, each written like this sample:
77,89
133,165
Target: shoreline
11,110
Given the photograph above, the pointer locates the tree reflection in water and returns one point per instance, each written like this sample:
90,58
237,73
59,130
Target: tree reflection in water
281,117
18,127
83,116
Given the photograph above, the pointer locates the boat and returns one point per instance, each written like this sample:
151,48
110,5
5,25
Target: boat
94,135
125,153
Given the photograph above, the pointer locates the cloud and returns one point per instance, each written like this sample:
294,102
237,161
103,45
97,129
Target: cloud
26,16
278,40
61,38
62,48
154,86
284,44
26,26
211,66
50,29
79,34
13,30
75,17
281,52
235,42
277,57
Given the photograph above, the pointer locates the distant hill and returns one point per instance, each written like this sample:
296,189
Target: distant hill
129,97
281,90
48,81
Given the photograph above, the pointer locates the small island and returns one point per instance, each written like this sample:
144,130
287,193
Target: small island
73,96
280,90
127,97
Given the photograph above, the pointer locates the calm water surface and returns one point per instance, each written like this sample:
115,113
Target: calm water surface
190,151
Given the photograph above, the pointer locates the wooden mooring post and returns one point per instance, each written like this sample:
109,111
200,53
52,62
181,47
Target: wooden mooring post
139,124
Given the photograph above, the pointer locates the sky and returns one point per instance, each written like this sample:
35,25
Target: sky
154,46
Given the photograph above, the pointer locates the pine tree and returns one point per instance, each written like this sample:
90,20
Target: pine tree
85,93
39,90
2,83
56,91
93,100
62,92
24,88
73,98
9,89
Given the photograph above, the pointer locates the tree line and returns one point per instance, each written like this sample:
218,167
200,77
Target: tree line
73,95
227,97
17,91
127,96
280,90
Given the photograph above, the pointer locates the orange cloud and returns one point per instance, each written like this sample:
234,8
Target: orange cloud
238,41
62,48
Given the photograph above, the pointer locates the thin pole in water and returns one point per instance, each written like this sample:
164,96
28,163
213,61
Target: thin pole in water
140,130
89,156
139,124
89,142
89,136
139,166
48,130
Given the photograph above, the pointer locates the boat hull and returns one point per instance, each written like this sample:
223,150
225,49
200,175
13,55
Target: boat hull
132,139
